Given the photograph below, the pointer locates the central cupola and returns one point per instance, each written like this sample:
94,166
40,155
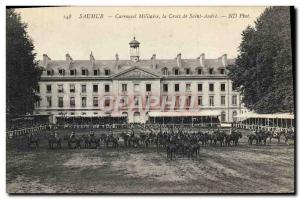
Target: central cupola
134,50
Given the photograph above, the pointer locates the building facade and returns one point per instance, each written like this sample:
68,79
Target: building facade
136,87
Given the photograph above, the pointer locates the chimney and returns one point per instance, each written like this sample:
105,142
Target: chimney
69,58
202,60
224,60
153,61
46,60
117,66
178,58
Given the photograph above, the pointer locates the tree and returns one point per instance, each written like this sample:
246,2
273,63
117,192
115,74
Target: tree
22,73
263,71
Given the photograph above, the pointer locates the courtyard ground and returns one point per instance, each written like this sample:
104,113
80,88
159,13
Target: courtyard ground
241,169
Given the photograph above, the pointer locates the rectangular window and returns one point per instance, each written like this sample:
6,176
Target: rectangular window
187,71
211,71
96,72
200,101
49,72
84,72
165,87
83,101
72,72
188,100
95,88
148,87
199,87
60,102
95,101
107,72
124,87
72,101
38,103
222,71
222,87
223,100
106,88
176,71
49,101
176,87
177,99
107,102
72,88
136,87
165,71
38,89
211,101
124,101
61,71
188,87
199,71
83,88
60,88
234,100
147,100
136,100
211,87
48,88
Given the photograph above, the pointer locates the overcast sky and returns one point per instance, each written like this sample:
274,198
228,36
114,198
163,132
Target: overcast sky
55,35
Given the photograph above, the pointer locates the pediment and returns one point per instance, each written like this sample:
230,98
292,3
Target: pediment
136,73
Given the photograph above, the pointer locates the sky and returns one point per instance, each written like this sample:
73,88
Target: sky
211,30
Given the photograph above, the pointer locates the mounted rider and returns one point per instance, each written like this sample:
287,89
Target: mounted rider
72,136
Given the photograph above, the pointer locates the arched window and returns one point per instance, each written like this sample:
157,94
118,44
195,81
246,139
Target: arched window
234,114
223,116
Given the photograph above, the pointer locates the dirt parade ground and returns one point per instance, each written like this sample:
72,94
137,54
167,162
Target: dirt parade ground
240,169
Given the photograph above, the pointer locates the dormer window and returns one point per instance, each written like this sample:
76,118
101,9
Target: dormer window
107,72
73,72
50,72
176,71
211,70
84,72
187,71
199,71
61,71
222,71
96,72
165,71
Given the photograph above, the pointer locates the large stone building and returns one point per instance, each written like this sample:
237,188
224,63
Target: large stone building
99,88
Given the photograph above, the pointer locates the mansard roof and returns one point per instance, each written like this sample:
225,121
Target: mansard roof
119,65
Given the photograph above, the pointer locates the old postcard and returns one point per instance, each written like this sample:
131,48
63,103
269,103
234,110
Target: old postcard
150,100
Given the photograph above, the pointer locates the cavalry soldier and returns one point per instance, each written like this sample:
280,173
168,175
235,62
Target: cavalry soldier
72,135
92,133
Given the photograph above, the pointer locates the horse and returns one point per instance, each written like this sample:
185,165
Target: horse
133,141
288,135
261,137
220,136
73,140
125,137
235,136
114,141
275,134
171,150
54,139
32,139
252,137
93,140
